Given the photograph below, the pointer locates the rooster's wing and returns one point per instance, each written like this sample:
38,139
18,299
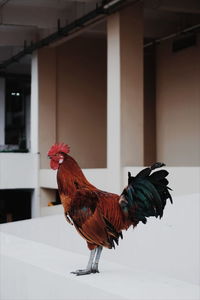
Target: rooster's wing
89,218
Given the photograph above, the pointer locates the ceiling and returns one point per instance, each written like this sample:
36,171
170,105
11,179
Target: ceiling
32,20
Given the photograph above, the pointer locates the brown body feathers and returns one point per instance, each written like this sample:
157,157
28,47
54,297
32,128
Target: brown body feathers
96,214
101,216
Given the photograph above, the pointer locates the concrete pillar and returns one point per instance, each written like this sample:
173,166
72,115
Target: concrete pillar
34,104
114,102
35,203
125,91
2,111
34,128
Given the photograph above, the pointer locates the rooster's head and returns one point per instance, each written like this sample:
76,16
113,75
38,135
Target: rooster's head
57,153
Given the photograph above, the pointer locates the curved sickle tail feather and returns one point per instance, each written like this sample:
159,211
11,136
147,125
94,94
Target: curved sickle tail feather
146,194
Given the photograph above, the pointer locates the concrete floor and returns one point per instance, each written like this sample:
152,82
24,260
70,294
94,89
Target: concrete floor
37,255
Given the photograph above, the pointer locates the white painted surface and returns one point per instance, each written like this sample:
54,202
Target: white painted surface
28,122
183,180
47,178
51,210
124,91
114,100
35,203
2,111
34,131
152,256
37,271
34,104
18,170
98,177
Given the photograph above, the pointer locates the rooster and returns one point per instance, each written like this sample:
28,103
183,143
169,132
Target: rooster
100,216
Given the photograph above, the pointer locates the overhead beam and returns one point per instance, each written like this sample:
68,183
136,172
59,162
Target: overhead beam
74,27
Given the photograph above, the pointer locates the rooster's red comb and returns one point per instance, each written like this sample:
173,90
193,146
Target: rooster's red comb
58,148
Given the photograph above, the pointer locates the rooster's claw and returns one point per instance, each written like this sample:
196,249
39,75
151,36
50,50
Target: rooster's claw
81,272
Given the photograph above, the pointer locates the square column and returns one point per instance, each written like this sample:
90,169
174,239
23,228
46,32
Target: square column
34,104
2,111
125,92
114,103
34,129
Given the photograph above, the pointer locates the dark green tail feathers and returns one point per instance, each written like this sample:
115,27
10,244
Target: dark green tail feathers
146,194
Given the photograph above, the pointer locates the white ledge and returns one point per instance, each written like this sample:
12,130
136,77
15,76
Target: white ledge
38,271
18,170
98,177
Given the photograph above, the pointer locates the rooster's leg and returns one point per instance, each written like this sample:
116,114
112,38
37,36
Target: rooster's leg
96,261
88,269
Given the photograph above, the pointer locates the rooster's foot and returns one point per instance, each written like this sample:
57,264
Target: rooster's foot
92,266
82,272
95,268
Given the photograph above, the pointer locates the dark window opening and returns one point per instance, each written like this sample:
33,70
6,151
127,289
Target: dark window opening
15,205
17,114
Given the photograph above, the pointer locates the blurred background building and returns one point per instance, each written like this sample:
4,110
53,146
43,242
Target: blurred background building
116,80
